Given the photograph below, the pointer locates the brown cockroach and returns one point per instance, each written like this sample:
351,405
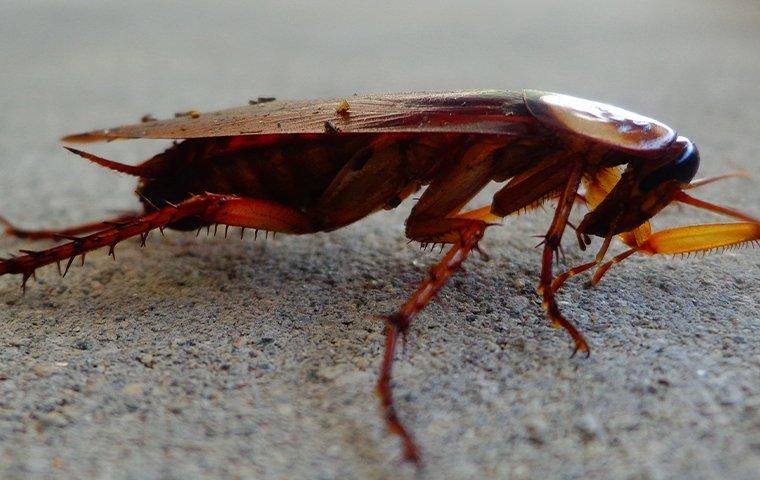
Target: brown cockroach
310,166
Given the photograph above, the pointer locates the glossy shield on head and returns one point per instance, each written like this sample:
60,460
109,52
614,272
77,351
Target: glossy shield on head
599,122
682,170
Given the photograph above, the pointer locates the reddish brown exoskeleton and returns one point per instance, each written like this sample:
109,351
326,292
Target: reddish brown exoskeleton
310,166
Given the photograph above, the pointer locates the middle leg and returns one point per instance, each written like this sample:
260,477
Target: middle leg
435,220
399,323
551,247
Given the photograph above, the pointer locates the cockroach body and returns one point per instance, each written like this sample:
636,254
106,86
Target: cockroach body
309,166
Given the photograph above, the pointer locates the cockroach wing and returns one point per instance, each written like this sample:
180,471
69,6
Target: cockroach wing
599,122
476,111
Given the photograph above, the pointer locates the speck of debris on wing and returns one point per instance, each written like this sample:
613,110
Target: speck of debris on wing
261,100
189,113
342,107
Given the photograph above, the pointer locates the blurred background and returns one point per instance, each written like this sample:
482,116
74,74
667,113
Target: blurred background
108,63
637,409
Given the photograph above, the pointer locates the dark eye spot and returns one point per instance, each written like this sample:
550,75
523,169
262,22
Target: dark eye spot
682,170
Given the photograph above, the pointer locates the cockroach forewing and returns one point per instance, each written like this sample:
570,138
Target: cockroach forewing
599,122
476,111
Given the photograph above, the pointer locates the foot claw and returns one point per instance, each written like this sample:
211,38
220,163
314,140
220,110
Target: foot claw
581,346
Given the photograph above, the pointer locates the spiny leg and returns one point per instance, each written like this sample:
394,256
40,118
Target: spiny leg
208,207
597,187
399,323
435,219
54,234
551,246
560,279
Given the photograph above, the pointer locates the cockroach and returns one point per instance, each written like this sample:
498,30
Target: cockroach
299,167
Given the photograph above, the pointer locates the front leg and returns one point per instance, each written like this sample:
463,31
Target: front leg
435,219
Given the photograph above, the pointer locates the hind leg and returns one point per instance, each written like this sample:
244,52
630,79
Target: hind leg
45,234
209,208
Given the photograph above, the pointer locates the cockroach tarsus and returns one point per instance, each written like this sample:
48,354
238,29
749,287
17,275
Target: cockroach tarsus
308,166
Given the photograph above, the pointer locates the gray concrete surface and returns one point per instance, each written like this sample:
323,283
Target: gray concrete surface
229,359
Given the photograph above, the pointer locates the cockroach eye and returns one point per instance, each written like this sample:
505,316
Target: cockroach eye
682,170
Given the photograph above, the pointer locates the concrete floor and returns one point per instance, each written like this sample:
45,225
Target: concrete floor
220,358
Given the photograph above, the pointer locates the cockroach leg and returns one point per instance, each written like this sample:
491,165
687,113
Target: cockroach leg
483,214
209,207
562,278
399,323
260,214
106,237
14,231
385,392
583,239
551,245
552,309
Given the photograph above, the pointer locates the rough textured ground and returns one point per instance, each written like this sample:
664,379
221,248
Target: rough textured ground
221,358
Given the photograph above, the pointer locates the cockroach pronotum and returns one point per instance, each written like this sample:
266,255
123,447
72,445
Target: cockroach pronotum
311,166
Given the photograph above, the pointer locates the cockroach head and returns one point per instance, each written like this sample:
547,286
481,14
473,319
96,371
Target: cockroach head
645,188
